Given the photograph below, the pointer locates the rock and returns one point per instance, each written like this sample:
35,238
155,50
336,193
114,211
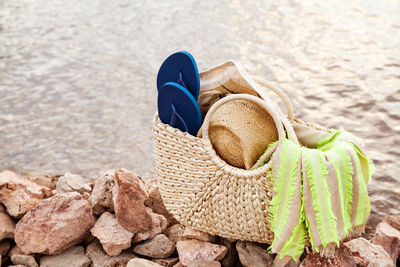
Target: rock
179,264
74,256
388,235
389,238
169,262
251,254
158,247
20,195
156,203
175,232
101,259
204,263
18,265
142,263
285,262
7,226
231,258
190,250
26,260
4,247
158,225
129,196
342,257
393,220
85,195
44,179
101,197
113,237
15,250
89,239
190,233
54,224
71,182
367,253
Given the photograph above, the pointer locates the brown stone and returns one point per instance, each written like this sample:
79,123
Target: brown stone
175,232
393,220
44,179
129,196
101,197
158,225
7,225
179,264
88,239
190,250
142,263
231,258
4,247
190,233
85,195
113,237
74,256
285,262
342,257
72,183
169,262
204,263
250,254
15,250
389,238
20,195
365,253
156,203
54,224
101,259
26,260
158,247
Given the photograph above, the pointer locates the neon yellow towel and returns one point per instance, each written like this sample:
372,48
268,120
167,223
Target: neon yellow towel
318,193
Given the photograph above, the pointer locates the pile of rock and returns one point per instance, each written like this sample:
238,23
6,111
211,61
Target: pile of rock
118,219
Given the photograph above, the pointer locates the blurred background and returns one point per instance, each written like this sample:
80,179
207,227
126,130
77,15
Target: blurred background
77,78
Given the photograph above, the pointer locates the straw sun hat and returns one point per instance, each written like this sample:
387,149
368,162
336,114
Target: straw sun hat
240,132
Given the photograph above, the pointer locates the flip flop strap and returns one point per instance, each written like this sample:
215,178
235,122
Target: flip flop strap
176,115
180,81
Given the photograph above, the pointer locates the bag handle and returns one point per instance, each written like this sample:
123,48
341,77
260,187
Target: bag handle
285,121
258,87
279,92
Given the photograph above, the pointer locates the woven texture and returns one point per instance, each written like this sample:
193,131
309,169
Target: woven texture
200,189
203,192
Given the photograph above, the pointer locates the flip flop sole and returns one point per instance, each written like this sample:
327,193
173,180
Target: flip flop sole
181,68
178,108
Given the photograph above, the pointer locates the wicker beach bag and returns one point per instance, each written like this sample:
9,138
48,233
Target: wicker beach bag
201,190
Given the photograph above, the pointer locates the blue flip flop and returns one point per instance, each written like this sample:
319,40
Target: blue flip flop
182,69
178,108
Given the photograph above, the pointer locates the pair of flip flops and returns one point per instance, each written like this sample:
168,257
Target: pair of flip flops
178,85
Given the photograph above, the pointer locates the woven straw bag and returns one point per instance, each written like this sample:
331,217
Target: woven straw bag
201,190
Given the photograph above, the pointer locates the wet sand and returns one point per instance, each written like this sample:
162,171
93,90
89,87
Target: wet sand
77,78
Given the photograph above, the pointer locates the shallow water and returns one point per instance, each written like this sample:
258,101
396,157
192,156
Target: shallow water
77,78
